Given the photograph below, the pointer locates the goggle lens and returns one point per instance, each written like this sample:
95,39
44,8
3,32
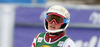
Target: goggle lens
57,18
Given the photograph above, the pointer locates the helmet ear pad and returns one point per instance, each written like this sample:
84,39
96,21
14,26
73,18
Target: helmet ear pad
46,24
63,26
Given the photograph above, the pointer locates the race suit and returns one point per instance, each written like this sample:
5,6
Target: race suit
44,40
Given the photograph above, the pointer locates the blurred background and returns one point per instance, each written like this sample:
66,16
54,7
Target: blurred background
22,20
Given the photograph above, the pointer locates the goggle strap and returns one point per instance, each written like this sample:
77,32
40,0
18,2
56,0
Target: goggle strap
46,17
66,20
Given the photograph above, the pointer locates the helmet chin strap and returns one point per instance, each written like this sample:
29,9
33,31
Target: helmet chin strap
56,33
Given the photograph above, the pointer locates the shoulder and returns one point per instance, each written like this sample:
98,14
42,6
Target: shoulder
69,43
41,34
35,39
64,38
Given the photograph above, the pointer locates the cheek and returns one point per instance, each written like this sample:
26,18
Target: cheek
58,26
48,24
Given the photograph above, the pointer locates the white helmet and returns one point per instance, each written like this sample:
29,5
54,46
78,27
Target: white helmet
61,11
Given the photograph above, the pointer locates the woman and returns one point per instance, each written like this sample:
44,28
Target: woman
56,21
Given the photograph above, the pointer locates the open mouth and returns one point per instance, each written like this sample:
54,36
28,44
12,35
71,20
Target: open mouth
52,27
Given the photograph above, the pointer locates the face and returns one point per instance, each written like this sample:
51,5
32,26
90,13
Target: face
53,26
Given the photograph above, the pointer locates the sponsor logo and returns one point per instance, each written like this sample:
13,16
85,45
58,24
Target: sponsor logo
95,18
60,43
40,39
45,46
93,42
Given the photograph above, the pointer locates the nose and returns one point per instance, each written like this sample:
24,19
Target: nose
53,22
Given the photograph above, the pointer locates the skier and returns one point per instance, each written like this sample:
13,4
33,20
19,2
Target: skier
57,20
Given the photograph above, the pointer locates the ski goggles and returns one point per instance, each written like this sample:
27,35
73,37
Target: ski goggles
58,19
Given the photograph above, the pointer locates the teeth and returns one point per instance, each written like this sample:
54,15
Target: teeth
52,27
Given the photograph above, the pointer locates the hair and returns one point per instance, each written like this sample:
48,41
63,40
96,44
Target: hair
64,32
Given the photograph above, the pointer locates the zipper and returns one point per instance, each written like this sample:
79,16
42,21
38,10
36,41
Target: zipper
49,40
